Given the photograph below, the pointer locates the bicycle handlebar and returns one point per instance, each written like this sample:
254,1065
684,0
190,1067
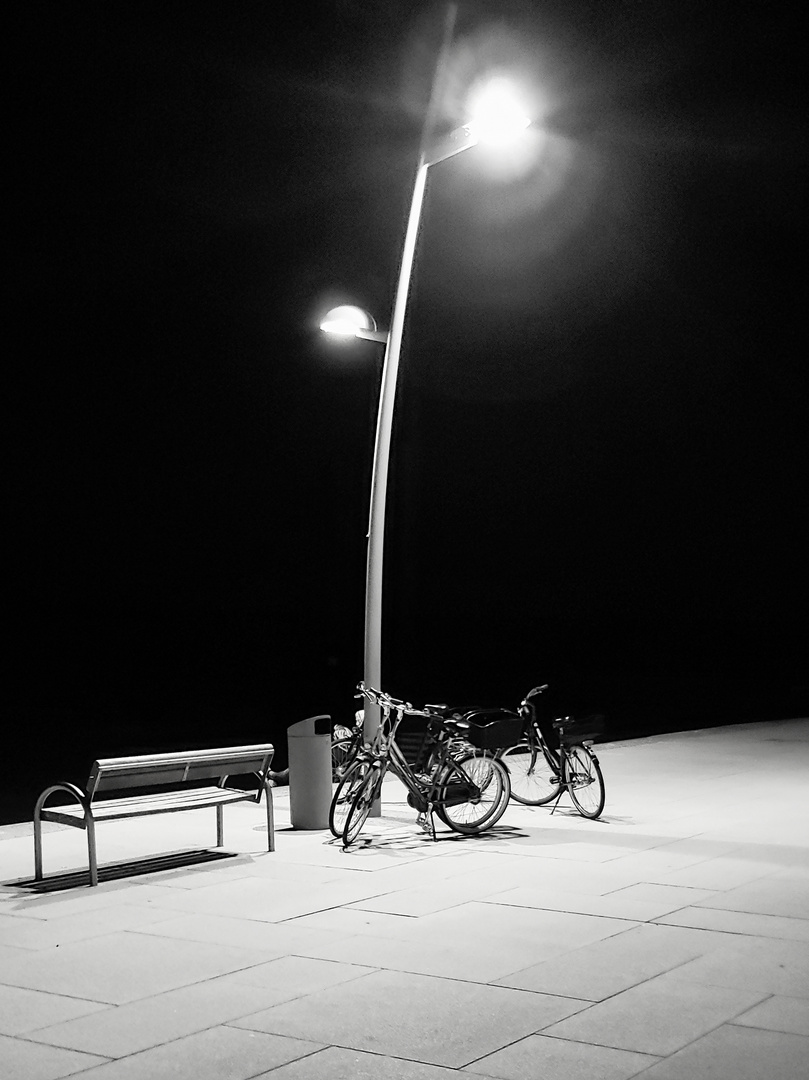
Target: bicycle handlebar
392,704
379,697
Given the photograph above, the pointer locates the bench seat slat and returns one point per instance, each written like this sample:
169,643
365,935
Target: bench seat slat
160,803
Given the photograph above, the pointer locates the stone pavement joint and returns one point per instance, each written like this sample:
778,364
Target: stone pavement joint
668,940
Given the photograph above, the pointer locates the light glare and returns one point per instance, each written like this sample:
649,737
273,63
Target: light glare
346,321
497,115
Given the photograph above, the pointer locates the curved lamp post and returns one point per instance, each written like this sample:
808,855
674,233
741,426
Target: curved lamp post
497,119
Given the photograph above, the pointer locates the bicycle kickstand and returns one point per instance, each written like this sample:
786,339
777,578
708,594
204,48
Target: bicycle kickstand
427,821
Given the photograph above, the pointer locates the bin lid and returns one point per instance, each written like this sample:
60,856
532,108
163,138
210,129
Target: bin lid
313,725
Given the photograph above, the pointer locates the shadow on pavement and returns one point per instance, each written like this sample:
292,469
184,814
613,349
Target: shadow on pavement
132,868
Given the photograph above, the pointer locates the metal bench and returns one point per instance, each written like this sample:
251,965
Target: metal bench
174,773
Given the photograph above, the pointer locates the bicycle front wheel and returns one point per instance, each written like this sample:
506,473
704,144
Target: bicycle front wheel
361,804
582,776
491,778
344,794
534,781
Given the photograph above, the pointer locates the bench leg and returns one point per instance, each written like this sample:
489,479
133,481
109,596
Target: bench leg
270,818
220,827
37,847
91,850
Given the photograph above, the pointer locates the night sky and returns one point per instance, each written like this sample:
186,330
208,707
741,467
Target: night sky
599,471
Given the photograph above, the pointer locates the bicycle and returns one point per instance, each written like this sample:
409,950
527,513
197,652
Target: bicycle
345,744
540,774
452,774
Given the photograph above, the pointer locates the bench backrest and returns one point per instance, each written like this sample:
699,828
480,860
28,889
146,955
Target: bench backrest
148,770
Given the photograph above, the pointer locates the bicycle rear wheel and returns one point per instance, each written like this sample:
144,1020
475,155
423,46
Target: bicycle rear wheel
344,794
491,778
582,775
534,781
361,804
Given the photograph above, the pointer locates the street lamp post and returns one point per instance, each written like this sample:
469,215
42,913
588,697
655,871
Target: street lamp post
458,141
497,115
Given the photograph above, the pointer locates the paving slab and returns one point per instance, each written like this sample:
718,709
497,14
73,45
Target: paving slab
717,874
441,1023
474,942
266,899
219,1053
337,1063
605,968
638,903
138,1025
8,954
118,1031
785,894
23,1060
23,1010
80,900
778,1014
740,922
771,966
659,1016
271,939
122,967
557,1059
78,925
737,1052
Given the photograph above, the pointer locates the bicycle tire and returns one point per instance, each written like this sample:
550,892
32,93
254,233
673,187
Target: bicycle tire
361,804
532,775
584,781
492,777
344,793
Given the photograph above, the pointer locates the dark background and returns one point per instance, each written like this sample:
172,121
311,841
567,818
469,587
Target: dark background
599,470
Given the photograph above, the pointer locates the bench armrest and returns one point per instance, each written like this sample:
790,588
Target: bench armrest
71,789
263,783
84,802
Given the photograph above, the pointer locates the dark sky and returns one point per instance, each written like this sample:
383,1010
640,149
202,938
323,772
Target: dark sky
600,459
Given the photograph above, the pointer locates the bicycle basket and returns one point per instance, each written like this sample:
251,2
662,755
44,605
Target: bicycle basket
494,729
573,731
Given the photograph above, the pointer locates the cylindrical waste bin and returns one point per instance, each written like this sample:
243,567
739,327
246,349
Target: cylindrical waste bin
309,743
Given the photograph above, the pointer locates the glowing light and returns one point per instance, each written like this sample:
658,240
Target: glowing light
497,116
347,321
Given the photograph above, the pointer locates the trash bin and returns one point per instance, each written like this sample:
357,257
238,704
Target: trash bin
309,743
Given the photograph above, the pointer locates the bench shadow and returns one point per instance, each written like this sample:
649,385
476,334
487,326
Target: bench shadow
73,879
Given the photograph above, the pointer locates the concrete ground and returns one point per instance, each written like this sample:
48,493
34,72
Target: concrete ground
668,940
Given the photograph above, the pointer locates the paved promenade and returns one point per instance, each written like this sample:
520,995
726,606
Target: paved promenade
669,940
